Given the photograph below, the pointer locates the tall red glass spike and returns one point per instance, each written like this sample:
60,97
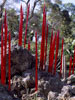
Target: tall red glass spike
46,43
5,47
57,47
50,52
21,26
73,62
5,21
29,44
36,71
9,61
2,67
61,58
43,39
70,66
26,25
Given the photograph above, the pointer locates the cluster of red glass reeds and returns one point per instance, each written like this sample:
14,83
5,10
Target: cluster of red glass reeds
4,52
54,45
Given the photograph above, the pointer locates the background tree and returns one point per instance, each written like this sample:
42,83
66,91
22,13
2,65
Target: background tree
1,11
13,25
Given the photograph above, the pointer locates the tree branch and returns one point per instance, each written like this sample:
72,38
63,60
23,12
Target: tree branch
25,1
33,8
28,2
2,5
32,12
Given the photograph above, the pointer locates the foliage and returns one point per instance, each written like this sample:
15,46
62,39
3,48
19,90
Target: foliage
13,21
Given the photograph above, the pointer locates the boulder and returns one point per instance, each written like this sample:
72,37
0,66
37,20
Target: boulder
21,60
5,94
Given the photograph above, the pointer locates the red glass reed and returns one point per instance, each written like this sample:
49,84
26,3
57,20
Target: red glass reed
26,25
9,61
57,47
36,71
50,52
29,44
21,26
43,40
73,62
5,18
70,66
46,43
5,47
61,58
2,67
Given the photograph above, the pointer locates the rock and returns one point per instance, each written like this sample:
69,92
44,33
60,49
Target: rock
71,79
5,94
43,87
25,97
48,83
52,95
66,88
40,98
63,97
21,60
65,94
25,84
22,85
72,90
72,98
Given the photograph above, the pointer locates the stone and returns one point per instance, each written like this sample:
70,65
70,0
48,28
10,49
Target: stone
48,82
40,98
72,98
65,94
22,85
66,88
25,97
52,95
72,90
71,79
